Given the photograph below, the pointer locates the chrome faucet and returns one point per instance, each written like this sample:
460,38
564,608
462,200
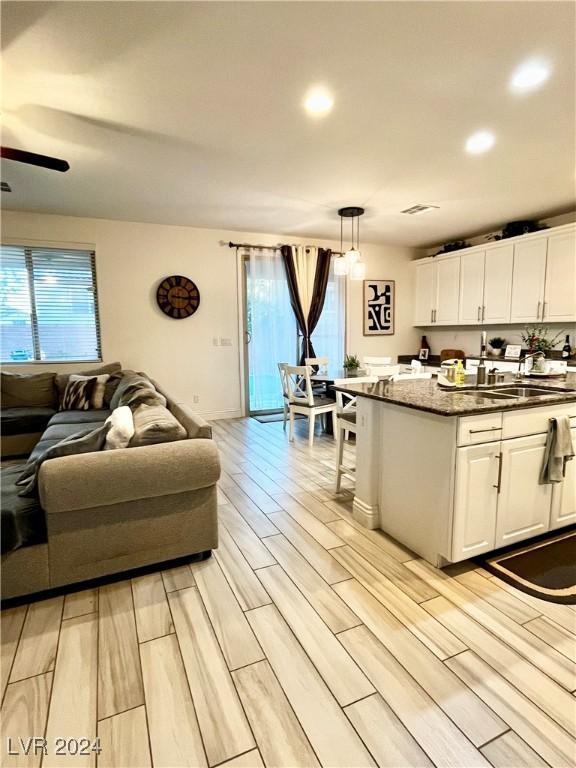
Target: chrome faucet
523,360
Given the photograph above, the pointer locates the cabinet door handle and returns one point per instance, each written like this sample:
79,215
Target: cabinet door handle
488,429
479,317
538,310
499,481
483,312
544,309
431,315
435,315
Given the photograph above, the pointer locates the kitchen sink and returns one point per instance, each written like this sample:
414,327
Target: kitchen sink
513,393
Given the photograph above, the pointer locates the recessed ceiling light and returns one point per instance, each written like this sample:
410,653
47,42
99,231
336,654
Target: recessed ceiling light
318,102
530,76
479,142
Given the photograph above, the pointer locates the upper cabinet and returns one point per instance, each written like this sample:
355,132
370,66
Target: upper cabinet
426,291
528,279
448,291
498,284
560,292
472,288
437,291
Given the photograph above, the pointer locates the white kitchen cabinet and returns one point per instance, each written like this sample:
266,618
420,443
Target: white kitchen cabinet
560,293
471,288
528,278
426,291
523,504
448,291
498,284
564,496
475,500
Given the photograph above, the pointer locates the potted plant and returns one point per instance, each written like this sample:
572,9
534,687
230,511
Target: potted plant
537,339
497,344
351,365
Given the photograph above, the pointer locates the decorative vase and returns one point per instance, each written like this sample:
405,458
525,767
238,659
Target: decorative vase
496,352
351,372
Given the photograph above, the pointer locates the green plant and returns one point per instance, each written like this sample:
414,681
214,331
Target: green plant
497,342
537,338
351,363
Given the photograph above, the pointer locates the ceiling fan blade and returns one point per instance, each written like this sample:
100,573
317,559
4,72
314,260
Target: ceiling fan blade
31,158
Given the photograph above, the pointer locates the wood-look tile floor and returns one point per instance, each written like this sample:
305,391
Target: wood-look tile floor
306,640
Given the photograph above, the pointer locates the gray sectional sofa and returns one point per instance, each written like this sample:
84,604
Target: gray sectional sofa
106,512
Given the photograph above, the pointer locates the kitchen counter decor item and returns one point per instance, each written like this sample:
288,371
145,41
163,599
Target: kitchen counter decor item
497,344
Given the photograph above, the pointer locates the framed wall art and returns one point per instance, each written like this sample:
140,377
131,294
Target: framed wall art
379,298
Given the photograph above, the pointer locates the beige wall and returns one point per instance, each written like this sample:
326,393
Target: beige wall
132,257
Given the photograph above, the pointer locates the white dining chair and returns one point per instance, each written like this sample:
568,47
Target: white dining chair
319,362
346,423
285,398
379,366
303,400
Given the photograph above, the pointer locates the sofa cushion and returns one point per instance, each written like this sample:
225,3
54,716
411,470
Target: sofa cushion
113,369
87,440
23,520
155,424
22,421
62,431
79,417
35,390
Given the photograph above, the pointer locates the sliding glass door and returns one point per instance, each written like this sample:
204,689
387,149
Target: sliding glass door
271,333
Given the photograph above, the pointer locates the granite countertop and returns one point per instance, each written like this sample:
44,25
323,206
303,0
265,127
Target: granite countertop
426,395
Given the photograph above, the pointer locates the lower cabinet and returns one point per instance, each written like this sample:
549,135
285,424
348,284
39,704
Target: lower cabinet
523,504
476,500
564,496
498,498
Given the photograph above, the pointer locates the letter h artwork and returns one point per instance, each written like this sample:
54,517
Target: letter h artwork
378,307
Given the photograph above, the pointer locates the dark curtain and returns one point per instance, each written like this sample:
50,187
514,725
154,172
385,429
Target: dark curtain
307,325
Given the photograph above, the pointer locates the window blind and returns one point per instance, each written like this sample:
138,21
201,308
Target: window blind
48,305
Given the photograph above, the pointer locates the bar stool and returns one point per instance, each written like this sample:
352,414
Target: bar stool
346,423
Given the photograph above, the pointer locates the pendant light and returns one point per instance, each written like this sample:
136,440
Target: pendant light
350,262
341,266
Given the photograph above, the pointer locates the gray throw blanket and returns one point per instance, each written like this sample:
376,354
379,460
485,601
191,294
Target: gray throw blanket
84,441
558,451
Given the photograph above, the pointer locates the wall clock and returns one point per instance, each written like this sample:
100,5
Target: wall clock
178,297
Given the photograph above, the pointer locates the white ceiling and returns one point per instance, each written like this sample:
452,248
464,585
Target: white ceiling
190,113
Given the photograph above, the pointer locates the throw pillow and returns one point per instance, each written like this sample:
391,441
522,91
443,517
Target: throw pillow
113,369
84,392
155,424
121,428
28,390
84,441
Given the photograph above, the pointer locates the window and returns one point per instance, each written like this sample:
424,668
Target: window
48,305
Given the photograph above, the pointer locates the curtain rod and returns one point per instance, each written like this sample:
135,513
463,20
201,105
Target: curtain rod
266,247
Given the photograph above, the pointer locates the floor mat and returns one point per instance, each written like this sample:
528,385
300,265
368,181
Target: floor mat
545,569
268,418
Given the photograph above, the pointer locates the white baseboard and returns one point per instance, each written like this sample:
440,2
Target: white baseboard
217,415
365,514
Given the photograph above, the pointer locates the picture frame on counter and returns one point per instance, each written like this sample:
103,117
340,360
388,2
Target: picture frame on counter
513,351
379,307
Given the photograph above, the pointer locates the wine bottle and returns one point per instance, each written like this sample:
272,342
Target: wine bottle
424,349
566,349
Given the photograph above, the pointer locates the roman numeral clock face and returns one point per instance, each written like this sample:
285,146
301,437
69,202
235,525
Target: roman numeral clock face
178,297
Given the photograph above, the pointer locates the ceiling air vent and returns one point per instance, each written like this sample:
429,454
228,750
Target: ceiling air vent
5,187
419,208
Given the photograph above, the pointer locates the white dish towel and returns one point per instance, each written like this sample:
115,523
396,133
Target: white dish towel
558,451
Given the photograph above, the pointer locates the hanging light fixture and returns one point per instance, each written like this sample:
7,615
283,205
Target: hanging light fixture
350,262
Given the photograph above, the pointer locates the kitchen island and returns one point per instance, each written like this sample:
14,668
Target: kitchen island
454,474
